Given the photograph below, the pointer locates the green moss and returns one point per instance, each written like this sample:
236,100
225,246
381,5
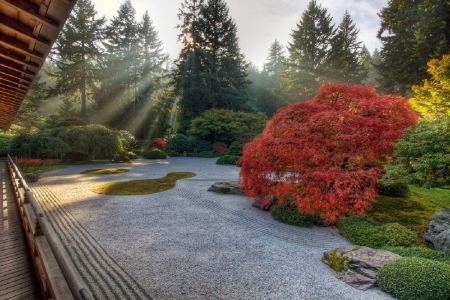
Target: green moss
339,263
225,189
439,196
142,187
287,212
105,171
422,252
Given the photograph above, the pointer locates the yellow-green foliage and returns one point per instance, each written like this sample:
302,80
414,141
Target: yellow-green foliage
415,278
104,171
142,187
339,263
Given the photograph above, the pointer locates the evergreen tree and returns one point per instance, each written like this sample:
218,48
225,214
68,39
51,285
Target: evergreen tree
211,71
412,32
275,59
369,61
344,62
66,108
78,51
306,67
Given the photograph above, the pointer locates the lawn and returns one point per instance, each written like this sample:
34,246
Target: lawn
438,196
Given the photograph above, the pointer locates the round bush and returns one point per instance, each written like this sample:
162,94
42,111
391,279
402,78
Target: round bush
172,153
395,190
178,143
158,144
227,160
4,145
235,148
196,143
287,213
208,154
154,153
219,147
422,252
415,278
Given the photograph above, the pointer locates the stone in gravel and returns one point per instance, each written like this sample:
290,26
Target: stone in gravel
264,205
30,177
231,187
358,266
438,234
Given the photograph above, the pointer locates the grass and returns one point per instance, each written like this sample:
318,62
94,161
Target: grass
415,212
142,187
40,169
105,171
439,196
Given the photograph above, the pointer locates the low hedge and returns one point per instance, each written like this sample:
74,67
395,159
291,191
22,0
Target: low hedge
208,154
415,278
366,232
287,212
227,160
422,252
154,153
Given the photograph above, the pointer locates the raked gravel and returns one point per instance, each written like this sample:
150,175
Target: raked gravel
188,243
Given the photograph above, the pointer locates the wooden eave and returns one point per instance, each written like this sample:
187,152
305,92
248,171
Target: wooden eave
28,30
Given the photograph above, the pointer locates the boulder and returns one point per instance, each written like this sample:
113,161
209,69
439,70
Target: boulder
30,177
438,234
358,266
264,205
231,187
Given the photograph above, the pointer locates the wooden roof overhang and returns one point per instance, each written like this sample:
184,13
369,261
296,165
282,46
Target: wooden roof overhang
28,29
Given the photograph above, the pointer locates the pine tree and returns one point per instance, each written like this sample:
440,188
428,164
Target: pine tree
343,61
78,51
306,67
412,32
211,71
274,59
66,108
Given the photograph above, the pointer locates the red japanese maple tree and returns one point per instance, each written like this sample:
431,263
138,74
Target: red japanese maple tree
326,153
158,144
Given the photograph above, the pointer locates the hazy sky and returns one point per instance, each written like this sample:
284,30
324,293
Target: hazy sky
259,22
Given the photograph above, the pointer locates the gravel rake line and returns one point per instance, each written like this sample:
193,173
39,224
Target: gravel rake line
104,266
306,238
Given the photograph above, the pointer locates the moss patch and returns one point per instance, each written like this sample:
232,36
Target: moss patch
105,171
142,187
413,212
338,263
225,189
438,196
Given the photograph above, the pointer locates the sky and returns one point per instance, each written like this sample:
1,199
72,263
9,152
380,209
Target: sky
259,22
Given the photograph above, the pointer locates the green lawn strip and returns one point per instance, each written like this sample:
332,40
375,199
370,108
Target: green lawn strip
40,169
414,212
142,187
105,171
438,196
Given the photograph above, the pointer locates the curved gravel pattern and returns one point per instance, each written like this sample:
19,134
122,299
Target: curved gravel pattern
187,243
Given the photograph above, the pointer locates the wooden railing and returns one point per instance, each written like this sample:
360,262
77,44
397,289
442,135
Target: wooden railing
57,276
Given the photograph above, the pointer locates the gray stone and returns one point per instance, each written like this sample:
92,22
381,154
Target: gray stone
438,234
30,177
231,187
360,264
264,205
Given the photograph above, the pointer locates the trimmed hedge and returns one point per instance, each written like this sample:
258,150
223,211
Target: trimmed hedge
415,278
422,252
366,232
4,145
208,154
393,190
154,153
227,160
235,148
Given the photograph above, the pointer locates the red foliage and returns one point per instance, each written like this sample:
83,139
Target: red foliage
28,162
326,153
219,147
159,144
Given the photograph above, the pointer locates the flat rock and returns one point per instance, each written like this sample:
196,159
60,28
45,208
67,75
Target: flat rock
30,177
438,234
231,187
360,264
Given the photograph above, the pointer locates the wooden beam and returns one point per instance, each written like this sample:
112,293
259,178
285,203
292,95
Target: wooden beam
11,103
15,81
18,45
11,89
17,57
7,97
31,10
14,74
15,66
21,28
12,106
13,85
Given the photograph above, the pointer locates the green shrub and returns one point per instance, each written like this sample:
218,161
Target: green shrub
366,232
286,212
394,190
123,156
172,153
178,143
154,153
227,160
221,154
415,278
235,148
21,146
4,145
196,143
138,152
206,154
422,252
